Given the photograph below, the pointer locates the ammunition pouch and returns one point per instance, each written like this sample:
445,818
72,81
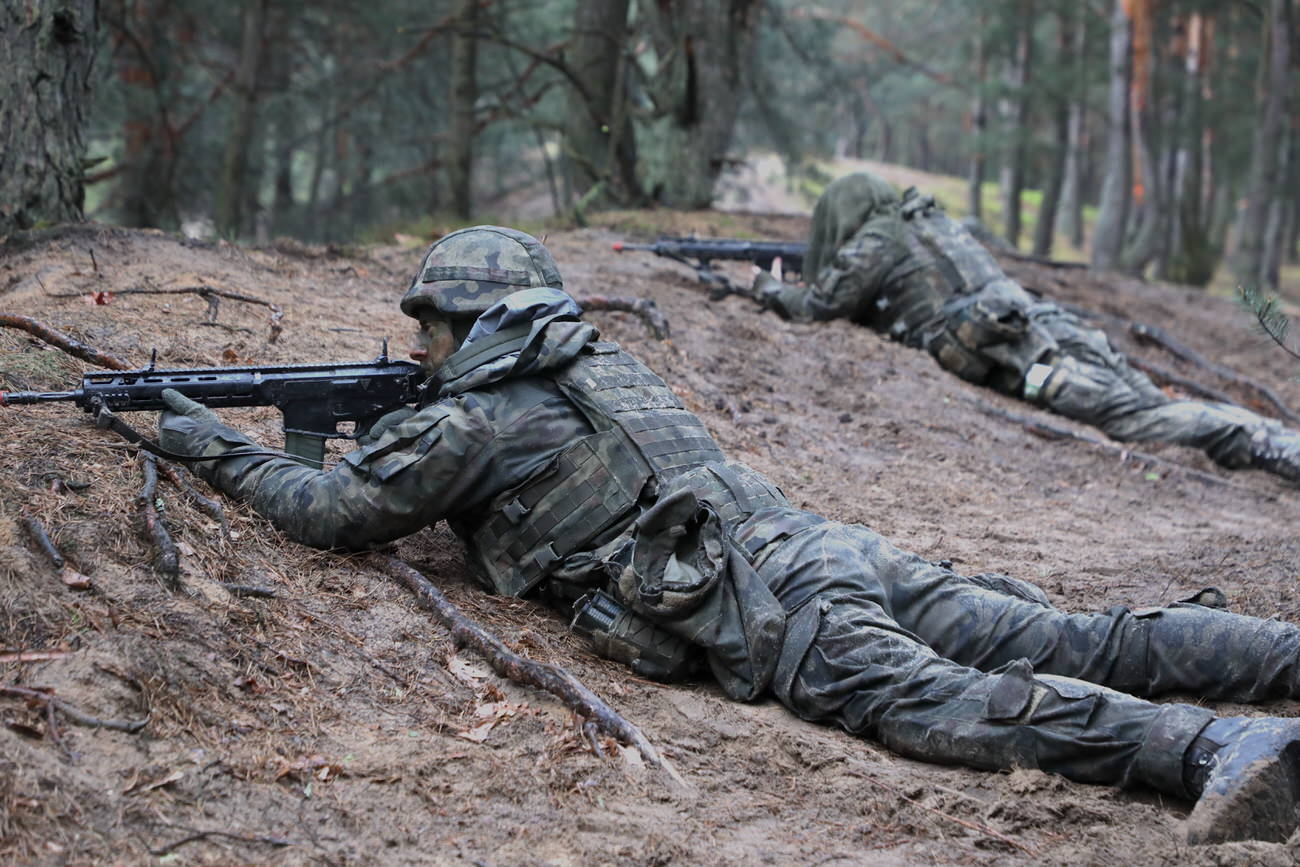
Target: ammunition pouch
689,577
621,635
590,488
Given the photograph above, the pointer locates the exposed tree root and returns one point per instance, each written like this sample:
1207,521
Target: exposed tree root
166,558
210,294
508,664
642,307
75,715
59,340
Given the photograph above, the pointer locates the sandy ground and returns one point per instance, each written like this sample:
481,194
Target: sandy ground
336,723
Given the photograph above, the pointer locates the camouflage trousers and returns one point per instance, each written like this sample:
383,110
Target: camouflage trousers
1059,362
1091,382
981,671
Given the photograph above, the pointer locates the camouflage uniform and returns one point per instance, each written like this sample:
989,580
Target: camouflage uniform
568,468
905,269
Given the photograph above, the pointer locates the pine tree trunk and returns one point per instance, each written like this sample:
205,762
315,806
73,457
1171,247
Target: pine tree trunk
1070,217
232,189
703,47
464,95
1045,230
1248,265
1015,117
46,52
978,123
1112,217
598,144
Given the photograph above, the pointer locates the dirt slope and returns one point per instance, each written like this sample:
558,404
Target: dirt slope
336,719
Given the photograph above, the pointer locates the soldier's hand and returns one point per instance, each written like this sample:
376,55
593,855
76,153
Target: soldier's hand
383,423
186,426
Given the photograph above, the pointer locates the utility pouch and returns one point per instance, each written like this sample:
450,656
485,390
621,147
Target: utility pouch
623,636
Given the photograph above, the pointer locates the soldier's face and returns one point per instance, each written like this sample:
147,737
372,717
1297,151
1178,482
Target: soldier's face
434,343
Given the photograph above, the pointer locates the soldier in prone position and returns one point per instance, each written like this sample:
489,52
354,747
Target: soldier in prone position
905,269
570,469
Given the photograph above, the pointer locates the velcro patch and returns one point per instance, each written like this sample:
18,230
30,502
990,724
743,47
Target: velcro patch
438,273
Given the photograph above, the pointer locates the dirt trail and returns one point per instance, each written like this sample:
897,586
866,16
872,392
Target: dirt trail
334,723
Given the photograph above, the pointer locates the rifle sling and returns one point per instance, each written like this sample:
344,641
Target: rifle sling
106,418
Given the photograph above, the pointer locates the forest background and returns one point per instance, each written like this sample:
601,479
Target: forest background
1150,136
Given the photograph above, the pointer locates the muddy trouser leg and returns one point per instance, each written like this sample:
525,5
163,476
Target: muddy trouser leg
1182,647
1091,382
845,660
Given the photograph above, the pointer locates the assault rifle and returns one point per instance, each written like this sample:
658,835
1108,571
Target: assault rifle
699,253
313,398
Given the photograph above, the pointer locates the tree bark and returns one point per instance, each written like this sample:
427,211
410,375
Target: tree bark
46,53
1045,230
231,189
1249,264
598,142
464,95
703,47
1108,237
1071,207
978,122
1015,118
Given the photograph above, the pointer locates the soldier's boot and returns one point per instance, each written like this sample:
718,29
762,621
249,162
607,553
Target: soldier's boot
1246,772
1277,450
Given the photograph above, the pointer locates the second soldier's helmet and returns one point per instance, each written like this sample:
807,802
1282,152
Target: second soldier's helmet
468,271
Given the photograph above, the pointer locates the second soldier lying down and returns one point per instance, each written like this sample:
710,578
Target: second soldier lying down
568,468
905,269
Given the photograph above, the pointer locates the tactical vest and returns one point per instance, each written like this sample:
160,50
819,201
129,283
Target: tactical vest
643,438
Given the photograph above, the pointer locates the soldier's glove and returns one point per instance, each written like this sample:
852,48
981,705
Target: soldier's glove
766,289
186,426
383,423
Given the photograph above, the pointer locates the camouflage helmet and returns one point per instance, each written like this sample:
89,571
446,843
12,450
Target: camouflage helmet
468,271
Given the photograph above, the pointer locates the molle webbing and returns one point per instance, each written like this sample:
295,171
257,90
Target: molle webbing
642,433
587,489
614,388
959,257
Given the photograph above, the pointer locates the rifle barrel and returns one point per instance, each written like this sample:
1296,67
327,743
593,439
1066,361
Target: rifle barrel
15,398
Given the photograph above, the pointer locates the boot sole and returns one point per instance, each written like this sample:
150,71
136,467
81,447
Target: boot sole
1262,806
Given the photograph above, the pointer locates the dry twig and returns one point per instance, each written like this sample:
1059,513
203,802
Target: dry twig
201,835
508,664
166,557
642,307
72,713
59,340
210,294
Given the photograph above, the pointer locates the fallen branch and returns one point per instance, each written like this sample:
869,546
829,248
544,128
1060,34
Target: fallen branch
14,656
508,664
210,294
166,558
1156,336
79,717
59,340
642,307
250,590
201,835
1047,431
